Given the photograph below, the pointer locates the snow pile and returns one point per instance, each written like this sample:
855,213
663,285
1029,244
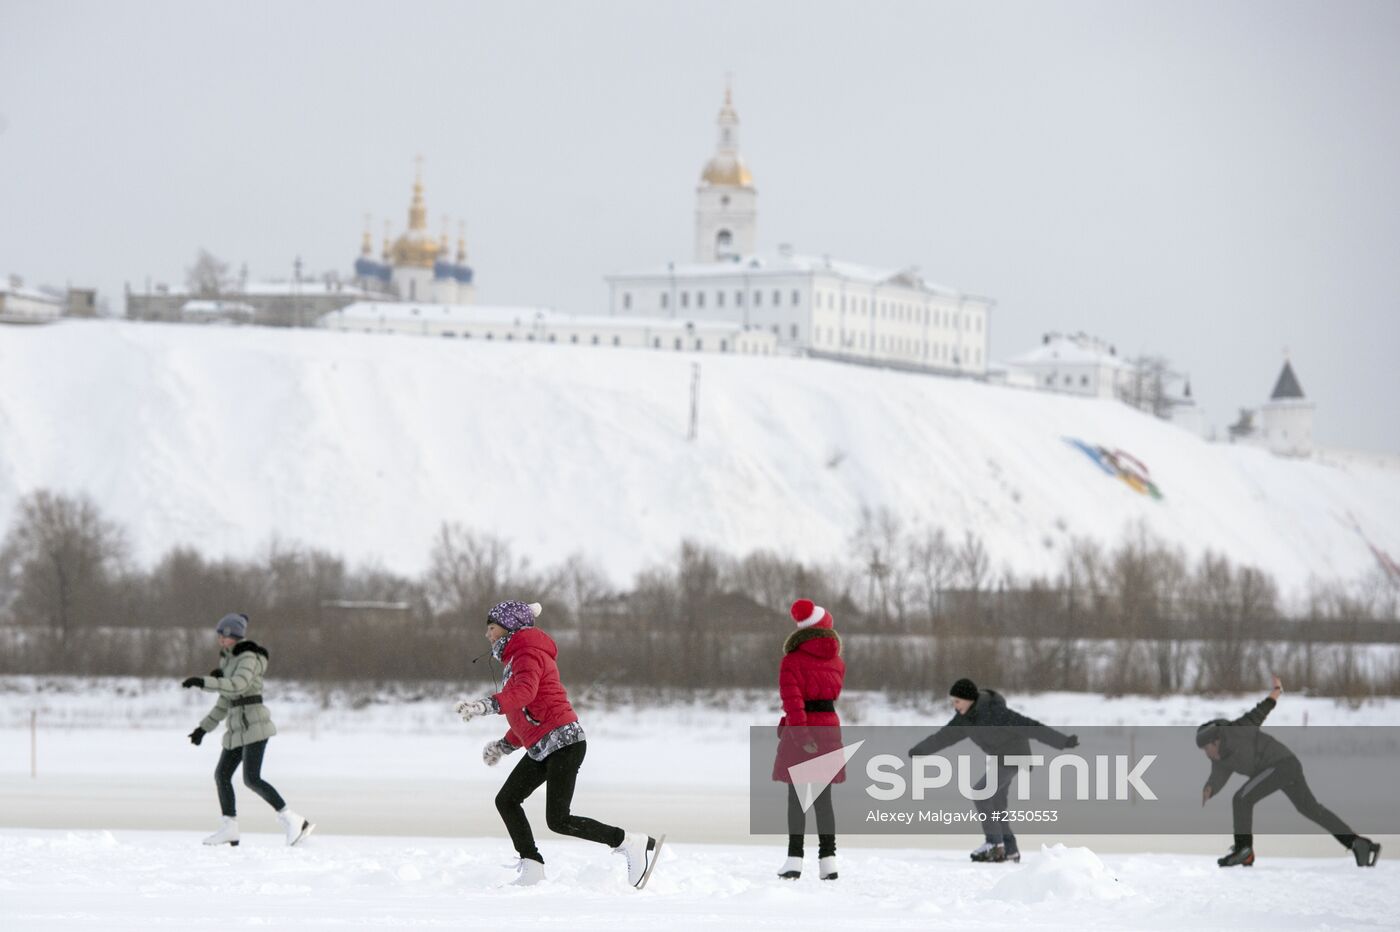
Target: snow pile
1061,873
224,438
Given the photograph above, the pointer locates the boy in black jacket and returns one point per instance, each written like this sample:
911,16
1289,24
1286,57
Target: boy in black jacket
983,707
1242,747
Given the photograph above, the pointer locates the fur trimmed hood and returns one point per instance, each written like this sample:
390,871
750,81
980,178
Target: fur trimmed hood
823,642
243,647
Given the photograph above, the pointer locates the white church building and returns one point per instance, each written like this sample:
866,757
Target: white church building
417,266
813,304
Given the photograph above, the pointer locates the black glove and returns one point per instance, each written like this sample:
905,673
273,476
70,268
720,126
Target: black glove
192,681
196,736
216,672
1071,742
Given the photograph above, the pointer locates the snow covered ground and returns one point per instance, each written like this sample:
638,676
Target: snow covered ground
105,836
223,438
130,880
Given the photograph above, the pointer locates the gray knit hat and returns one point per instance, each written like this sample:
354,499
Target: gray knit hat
233,626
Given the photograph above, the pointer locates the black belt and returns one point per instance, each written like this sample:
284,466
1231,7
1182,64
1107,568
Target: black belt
819,705
247,700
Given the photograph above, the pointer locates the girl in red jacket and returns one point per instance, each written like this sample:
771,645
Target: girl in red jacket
809,682
540,719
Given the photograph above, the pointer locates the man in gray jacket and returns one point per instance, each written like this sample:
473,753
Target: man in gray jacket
1242,747
238,681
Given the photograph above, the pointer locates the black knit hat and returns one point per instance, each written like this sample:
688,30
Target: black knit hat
1209,732
964,689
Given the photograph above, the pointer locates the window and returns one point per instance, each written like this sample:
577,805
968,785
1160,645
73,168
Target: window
796,298
530,337
775,331
699,299
573,338
738,299
595,339
777,298
665,301
510,336
699,344
719,299
656,343
617,341
724,346
448,333
758,299
678,342
551,338
490,335
685,299
1049,380
1084,381
725,239
794,331
627,300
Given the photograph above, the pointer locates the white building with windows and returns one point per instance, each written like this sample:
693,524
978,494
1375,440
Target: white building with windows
1076,364
21,305
811,304
543,325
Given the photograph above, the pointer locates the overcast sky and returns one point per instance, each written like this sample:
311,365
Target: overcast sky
1214,182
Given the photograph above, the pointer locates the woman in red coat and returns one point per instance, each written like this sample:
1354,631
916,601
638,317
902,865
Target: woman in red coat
809,682
540,719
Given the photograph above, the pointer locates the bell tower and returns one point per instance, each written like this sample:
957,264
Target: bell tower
725,202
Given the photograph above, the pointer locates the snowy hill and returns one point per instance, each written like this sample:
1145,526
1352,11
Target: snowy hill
363,445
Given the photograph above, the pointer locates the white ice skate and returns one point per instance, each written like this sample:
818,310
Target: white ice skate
640,851
295,826
827,868
791,869
528,873
227,833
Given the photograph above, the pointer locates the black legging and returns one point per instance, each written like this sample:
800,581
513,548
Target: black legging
1287,775
797,823
250,756
558,771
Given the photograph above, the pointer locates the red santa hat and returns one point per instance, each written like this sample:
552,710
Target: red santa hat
808,614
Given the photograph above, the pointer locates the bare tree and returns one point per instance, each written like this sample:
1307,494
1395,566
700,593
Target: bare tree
59,563
1148,385
208,277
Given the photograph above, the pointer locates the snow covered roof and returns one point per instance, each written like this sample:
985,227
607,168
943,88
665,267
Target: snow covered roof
276,289
788,264
1067,350
1287,386
20,291
506,315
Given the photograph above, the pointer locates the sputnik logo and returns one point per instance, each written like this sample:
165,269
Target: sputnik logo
811,777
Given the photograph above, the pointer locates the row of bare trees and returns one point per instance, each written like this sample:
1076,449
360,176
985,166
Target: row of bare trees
917,609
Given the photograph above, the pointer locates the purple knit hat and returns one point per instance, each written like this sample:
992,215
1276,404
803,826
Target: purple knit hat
513,615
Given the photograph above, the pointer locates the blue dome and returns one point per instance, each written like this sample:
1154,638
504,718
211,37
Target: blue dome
443,269
464,274
368,268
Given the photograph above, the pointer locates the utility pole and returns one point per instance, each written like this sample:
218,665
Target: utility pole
694,401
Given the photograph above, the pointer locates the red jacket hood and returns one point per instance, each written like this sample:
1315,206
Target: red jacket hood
530,639
821,648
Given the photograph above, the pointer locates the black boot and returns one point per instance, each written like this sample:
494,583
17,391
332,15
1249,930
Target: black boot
1366,851
1239,854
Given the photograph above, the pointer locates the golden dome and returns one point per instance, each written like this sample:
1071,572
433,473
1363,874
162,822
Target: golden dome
416,246
727,170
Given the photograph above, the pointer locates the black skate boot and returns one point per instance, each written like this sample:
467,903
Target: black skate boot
983,852
1239,855
998,854
1366,851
